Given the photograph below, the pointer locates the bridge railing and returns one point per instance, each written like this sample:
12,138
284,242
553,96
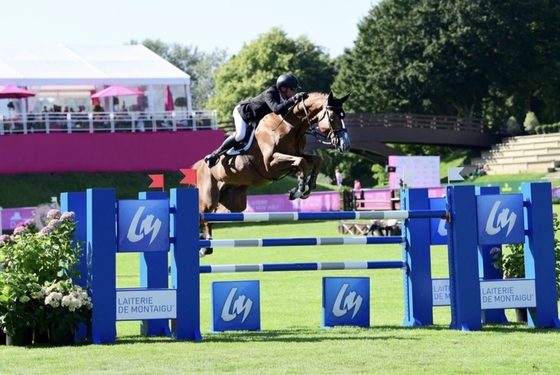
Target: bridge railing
418,121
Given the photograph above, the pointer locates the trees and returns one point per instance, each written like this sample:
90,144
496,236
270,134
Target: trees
454,57
260,62
199,65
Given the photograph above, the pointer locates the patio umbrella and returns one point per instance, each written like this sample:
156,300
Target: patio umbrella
168,99
116,90
13,92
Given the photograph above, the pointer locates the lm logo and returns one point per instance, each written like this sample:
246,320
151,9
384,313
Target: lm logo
138,230
232,309
342,305
496,222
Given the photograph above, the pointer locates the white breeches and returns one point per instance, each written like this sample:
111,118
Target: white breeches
240,125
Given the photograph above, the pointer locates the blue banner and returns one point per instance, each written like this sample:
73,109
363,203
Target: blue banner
346,301
500,219
143,225
236,306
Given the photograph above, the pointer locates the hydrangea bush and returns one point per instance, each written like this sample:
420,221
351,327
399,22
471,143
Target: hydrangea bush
36,268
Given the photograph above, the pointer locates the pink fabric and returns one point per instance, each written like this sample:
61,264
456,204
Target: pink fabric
169,106
94,101
116,90
105,152
9,91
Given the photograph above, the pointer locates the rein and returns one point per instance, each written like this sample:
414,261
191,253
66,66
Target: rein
317,134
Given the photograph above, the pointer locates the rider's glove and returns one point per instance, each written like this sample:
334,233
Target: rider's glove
299,96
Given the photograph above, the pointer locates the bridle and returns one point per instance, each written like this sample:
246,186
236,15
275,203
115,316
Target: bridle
316,132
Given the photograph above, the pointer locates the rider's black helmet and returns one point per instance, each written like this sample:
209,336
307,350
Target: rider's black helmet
288,80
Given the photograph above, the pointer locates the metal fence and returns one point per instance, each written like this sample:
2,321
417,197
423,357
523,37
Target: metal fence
93,122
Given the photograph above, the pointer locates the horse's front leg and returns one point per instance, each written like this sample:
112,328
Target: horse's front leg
315,161
205,234
282,161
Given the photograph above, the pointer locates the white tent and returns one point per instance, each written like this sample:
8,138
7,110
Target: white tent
73,71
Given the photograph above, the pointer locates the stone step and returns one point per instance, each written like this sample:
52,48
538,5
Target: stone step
505,159
516,146
520,152
527,167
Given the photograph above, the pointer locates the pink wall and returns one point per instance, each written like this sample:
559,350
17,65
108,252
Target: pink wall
317,202
105,152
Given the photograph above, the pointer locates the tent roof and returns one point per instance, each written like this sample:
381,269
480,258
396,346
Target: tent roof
59,64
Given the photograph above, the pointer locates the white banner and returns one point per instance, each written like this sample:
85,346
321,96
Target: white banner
144,304
495,294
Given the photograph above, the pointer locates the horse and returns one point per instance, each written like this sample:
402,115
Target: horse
276,149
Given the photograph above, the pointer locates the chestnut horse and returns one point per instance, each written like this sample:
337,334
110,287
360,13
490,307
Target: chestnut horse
276,150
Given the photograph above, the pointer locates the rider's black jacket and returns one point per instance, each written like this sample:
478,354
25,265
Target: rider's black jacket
254,109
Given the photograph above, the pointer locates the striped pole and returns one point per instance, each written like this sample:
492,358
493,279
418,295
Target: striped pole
319,241
323,266
306,216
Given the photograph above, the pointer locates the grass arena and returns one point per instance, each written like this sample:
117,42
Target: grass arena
290,340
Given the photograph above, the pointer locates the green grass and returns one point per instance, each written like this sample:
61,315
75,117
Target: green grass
291,342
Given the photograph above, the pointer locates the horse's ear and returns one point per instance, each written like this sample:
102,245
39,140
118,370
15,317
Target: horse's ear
345,97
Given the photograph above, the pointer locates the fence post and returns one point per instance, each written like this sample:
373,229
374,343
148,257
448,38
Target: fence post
463,258
154,273
416,252
540,262
486,269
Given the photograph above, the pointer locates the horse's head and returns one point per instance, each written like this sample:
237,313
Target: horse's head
330,122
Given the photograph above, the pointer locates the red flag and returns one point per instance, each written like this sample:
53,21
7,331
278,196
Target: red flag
190,176
157,181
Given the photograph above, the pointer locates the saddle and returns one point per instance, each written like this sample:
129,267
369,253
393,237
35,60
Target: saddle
244,145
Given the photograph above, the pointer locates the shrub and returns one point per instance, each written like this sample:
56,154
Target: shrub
530,122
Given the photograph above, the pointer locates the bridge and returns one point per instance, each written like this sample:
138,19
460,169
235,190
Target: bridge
370,133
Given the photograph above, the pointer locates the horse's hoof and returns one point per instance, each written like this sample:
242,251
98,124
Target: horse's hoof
294,194
205,251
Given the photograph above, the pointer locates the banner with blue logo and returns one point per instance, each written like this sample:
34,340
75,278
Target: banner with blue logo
346,301
500,219
236,305
438,227
143,225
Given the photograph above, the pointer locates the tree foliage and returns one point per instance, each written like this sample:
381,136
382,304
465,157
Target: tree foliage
259,63
200,66
452,57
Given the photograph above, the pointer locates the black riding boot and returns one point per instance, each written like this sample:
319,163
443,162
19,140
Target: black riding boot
212,159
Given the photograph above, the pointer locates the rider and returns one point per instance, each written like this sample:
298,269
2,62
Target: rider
277,99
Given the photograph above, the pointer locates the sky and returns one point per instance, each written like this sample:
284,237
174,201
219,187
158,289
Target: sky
203,24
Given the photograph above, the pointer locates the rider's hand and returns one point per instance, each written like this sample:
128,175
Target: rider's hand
299,96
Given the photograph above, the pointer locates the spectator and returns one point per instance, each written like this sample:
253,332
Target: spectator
376,225
338,177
